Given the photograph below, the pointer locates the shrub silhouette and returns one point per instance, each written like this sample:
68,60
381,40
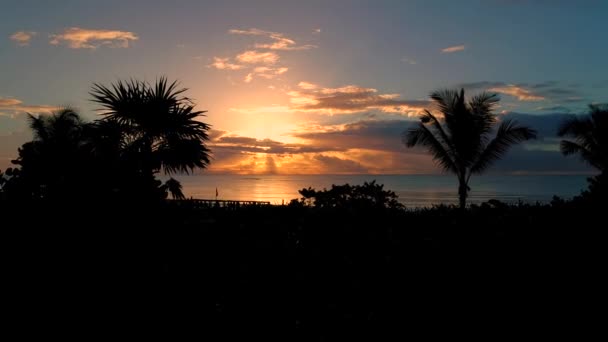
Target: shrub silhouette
366,196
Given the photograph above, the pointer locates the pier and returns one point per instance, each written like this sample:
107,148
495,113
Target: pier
212,203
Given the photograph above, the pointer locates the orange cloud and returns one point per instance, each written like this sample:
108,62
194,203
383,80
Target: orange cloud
256,57
518,92
279,41
79,38
251,59
9,102
307,85
452,49
23,38
224,64
12,106
350,99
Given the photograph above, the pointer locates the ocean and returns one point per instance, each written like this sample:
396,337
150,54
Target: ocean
413,190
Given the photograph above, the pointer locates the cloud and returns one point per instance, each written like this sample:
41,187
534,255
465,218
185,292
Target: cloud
481,85
408,61
258,61
265,72
561,109
350,99
307,85
375,146
4,102
346,166
23,38
278,40
224,64
452,49
253,145
12,106
377,135
257,57
520,93
262,109
79,38
552,91
574,99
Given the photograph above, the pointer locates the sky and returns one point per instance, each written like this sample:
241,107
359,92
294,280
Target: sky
309,87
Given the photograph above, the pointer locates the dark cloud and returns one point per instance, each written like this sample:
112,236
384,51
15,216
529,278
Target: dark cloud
253,145
521,160
545,124
341,165
574,99
550,90
543,85
351,99
367,134
561,109
481,85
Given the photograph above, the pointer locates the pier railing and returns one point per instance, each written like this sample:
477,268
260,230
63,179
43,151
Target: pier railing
210,203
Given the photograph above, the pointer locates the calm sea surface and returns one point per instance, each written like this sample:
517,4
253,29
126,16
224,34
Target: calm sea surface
413,190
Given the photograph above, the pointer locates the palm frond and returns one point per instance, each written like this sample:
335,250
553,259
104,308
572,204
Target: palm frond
483,103
569,148
509,133
422,136
445,100
174,187
38,126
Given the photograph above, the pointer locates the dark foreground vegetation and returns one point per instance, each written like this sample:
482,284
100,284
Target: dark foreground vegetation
335,271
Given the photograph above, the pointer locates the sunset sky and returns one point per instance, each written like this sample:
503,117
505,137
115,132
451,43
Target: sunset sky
312,86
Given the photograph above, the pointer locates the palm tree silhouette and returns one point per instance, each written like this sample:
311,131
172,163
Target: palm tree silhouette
590,137
460,140
159,125
174,187
51,165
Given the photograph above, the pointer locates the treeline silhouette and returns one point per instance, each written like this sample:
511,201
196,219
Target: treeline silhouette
144,129
90,238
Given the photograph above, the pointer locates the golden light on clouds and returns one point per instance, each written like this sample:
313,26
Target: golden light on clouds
12,106
80,38
278,40
256,57
224,64
518,92
23,38
453,49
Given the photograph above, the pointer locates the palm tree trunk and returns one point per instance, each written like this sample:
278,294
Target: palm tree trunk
462,194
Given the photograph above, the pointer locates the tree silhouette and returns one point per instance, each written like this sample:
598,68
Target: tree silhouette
52,164
367,196
159,125
174,187
590,137
460,140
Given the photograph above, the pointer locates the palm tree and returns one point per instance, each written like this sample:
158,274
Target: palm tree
174,187
159,125
589,137
53,163
459,139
